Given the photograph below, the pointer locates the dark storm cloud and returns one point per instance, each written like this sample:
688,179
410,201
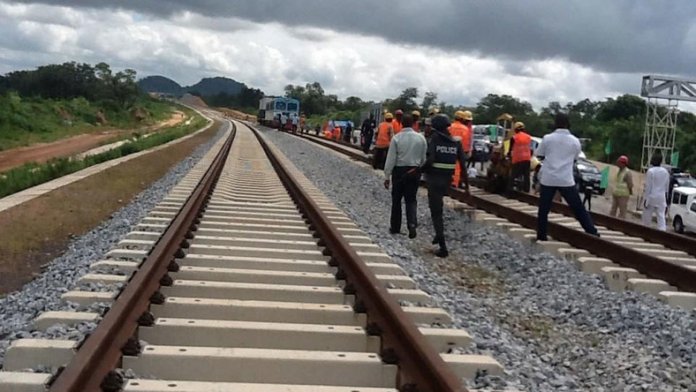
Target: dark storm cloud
615,36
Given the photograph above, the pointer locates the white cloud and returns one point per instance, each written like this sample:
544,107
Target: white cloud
269,56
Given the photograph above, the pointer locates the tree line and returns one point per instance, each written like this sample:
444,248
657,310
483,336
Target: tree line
98,83
618,122
247,100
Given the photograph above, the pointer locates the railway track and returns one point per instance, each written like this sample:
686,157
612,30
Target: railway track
628,255
246,278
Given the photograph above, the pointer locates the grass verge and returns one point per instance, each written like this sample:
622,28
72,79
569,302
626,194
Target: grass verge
39,230
32,174
25,121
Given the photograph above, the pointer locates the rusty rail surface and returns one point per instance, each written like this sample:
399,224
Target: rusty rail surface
101,351
651,266
419,364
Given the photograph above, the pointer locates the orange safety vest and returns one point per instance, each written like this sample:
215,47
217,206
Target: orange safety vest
337,133
521,148
397,126
459,131
383,137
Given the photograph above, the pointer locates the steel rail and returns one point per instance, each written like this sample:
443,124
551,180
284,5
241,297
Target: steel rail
101,351
671,240
419,364
676,275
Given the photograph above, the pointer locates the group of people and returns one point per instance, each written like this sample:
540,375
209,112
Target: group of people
336,132
657,185
403,151
408,154
291,122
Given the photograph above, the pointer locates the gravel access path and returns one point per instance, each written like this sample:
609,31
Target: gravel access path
552,327
18,309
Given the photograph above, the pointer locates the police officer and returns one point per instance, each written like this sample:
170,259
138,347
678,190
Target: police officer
443,154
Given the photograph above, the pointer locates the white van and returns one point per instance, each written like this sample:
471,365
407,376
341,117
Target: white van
682,211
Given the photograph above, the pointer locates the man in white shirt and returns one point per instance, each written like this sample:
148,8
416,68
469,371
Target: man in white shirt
655,197
559,150
407,153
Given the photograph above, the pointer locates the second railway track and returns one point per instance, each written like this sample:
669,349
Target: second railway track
628,255
247,278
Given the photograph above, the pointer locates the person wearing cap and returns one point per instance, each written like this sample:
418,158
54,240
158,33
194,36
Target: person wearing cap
396,124
427,122
443,154
623,188
416,120
520,154
403,168
459,131
559,150
385,133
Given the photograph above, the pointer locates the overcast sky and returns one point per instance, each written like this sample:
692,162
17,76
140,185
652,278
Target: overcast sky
537,50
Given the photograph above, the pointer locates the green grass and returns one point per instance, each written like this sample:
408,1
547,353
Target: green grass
32,174
25,121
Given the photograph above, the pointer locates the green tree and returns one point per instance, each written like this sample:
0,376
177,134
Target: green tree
492,105
406,101
429,100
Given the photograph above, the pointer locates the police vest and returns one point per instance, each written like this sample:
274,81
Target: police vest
445,159
521,148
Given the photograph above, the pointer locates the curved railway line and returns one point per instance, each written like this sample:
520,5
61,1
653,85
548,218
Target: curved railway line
246,278
628,255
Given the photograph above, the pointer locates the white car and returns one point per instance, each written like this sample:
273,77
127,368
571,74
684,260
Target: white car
682,211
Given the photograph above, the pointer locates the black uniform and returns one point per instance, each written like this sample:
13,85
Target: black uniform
367,132
443,153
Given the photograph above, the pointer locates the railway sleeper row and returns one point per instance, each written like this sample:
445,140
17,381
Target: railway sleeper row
252,304
617,277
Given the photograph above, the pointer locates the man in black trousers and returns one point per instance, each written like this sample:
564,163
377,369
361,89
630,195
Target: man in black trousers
367,132
559,150
443,154
406,155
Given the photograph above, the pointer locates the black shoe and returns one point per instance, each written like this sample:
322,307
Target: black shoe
442,252
412,233
392,231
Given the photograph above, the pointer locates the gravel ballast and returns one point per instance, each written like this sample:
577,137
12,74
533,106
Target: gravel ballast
42,294
551,326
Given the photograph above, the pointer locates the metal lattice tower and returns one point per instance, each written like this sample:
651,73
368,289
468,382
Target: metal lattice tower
663,95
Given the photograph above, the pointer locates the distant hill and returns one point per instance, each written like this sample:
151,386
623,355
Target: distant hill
214,86
160,84
206,87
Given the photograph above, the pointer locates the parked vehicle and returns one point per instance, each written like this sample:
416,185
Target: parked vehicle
587,175
481,151
682,210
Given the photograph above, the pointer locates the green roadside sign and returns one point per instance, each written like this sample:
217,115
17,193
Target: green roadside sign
493,133
604,183
674,161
